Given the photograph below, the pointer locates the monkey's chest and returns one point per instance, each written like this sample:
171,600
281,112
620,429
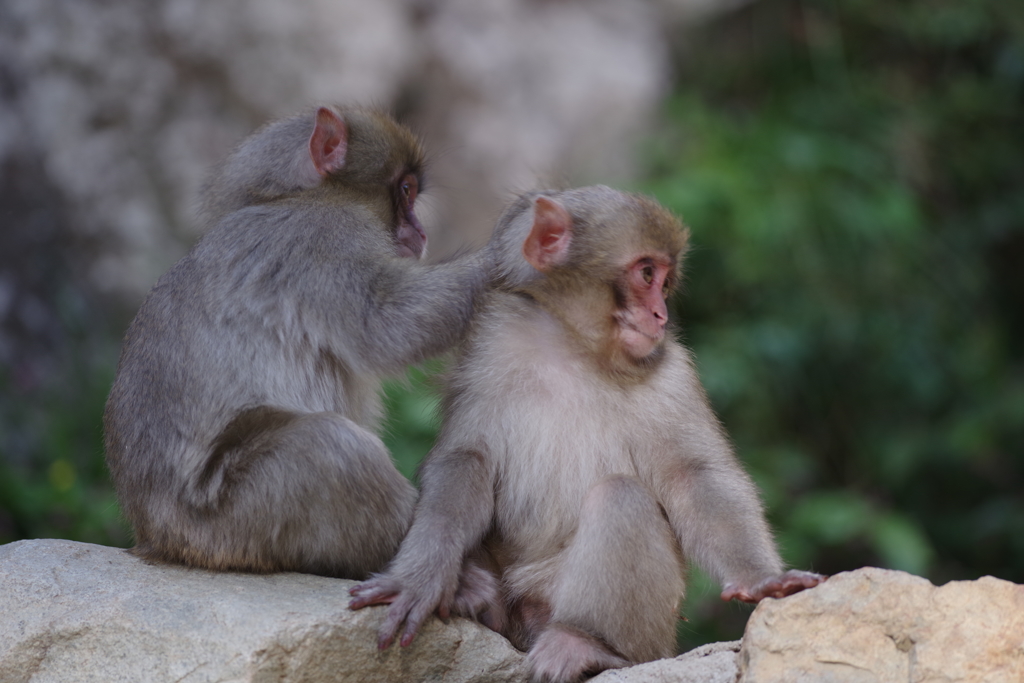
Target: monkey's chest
556,441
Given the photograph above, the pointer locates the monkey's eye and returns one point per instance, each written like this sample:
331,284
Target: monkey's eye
648,273
409,187
666,288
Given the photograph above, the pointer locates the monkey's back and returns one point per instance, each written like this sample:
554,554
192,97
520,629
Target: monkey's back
240,322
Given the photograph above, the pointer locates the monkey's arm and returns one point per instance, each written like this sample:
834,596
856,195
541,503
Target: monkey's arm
416,311
452,515
714,508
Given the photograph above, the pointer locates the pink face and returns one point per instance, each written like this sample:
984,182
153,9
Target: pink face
411,240
646,285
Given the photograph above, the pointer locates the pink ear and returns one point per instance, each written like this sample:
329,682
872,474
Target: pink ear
548,243
329,141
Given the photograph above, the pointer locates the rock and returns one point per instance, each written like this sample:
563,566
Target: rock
887,626
78,612
713,663
74,612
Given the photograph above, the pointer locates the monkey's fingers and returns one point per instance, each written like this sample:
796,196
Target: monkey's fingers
796,580
380,591
773,588
367,600
736,592
405,610
394,619
413,619
788,583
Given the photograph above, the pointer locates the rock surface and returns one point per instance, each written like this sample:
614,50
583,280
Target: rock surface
74,612
881,625
78,612
713,663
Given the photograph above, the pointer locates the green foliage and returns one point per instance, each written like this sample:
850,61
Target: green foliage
413,417
53,480
853,174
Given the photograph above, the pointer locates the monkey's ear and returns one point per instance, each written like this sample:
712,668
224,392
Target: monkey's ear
329,142
548,242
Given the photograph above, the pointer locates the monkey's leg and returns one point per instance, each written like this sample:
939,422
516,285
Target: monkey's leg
314,493
616,598
478,595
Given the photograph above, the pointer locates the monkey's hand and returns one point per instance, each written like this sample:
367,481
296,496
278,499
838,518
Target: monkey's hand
780,586
408,606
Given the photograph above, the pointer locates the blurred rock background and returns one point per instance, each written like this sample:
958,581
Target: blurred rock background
852,170
111,114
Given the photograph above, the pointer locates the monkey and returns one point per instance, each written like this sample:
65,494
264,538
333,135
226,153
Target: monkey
241,430
579,466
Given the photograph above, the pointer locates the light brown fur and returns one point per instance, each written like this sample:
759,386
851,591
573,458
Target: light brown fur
587,468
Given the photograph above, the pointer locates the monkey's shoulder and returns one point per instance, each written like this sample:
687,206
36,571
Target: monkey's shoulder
291,231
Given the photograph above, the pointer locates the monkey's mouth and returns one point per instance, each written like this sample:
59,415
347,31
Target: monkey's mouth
654,332
637,342
653,336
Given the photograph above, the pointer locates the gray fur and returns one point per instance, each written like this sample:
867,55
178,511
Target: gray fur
241,430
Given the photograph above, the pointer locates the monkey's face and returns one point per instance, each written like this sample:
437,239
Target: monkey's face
641,313
365,152
410,238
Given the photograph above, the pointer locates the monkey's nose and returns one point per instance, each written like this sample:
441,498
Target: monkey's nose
660,312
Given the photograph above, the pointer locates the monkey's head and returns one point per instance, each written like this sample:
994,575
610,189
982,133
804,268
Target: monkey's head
359,155
603,261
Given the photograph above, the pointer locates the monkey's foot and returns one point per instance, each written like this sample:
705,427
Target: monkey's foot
478,597
563,654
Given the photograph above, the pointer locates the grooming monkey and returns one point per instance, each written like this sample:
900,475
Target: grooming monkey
579,462
241,429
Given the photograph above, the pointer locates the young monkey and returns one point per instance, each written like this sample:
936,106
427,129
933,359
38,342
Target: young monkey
579,462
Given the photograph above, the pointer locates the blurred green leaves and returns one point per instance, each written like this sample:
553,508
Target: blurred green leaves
843,518
413,418
53,481
853,175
